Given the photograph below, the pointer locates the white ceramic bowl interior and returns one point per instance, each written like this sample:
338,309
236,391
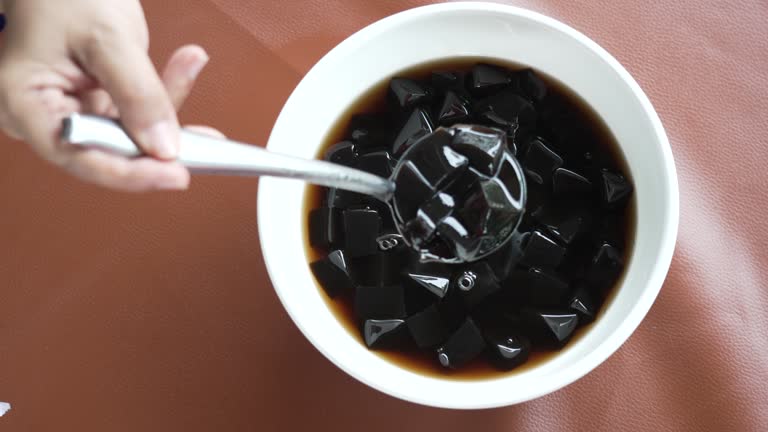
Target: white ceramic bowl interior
490,30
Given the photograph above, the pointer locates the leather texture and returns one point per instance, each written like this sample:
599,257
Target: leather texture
155,313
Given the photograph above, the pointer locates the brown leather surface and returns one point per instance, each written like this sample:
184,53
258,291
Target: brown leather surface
155,313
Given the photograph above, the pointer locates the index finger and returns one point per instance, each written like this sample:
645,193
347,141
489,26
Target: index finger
124,70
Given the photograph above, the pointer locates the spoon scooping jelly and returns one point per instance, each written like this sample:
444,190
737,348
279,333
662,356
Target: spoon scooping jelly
457,194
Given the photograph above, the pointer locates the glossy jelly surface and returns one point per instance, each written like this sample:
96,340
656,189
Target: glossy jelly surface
570,225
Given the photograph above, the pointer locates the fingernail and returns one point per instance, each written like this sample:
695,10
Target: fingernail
160,138
197,66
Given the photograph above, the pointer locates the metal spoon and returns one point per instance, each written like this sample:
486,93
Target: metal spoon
204,154
505,202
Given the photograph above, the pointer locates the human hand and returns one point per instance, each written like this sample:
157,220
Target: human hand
90,56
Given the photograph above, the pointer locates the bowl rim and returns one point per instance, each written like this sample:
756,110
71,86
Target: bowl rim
668,232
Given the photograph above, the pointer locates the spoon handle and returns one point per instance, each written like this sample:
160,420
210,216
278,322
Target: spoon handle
210,155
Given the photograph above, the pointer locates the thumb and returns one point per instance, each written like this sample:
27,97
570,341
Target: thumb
123,68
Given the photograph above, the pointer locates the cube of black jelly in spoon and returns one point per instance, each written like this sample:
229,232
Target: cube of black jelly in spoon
436,209
541,162
531,85
436,249
582,302
508,351
462,346
511,175
472,212
536,287
427,327
383,333
487,79
615,187
476,282
419,231
454,108
568,184
325,227
504,207
435,278
465,244
484,147
379,163
370,130
445,80
379,302
332,273
549,329
606,266
416,126
435,160
463,186
407,93
414,192
541,251
491,119
361,229
343,153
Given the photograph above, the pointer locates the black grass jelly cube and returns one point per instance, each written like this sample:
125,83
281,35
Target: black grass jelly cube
569,184
427,327
536,287
454,108
371,131
325,227
462,346
484,147
343,153
541,162
615,187
508,350
582,302
379,302
383,333
435,160
361,229
549,328
415,192
417,126
407,93
332,273
486,79
541,251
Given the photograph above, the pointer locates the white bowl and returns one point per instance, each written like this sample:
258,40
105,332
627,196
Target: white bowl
470,29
